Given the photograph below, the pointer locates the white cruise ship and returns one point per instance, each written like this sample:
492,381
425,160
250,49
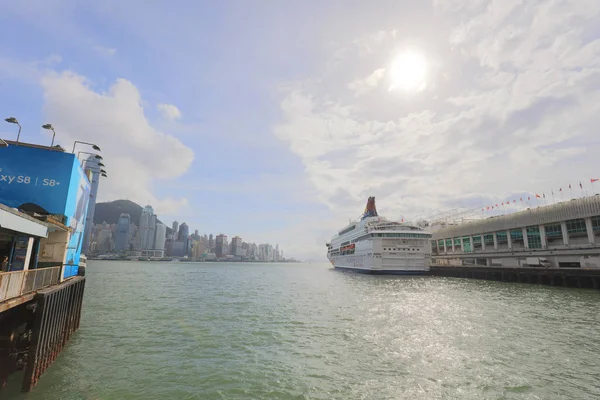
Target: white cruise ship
376,245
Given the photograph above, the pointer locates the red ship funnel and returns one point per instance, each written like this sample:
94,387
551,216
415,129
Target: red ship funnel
370,210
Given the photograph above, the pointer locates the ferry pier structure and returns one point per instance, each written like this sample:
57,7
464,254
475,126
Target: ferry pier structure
557,244
44,195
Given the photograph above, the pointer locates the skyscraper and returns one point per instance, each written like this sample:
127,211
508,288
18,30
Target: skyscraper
161,237
123,233
147,228
221,245
184,236
211,242
175,230
236,246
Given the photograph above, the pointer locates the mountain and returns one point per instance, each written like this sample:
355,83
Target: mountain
110,211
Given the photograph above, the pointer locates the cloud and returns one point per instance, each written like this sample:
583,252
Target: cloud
169,111
135,153
513,111
362,86
106,51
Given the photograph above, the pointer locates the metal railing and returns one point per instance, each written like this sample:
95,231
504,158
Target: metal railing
17,283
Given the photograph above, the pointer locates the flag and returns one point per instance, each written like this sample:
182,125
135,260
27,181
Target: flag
502,203
594,180
552,192
580,185
482,209
521,199
569,186
538,196
488,207
560,190
514,201
544,195
528,198
496,205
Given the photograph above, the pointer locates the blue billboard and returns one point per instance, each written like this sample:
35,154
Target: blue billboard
48,181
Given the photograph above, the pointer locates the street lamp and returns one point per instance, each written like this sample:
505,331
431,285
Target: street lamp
13,120
51,128
95,147
96,156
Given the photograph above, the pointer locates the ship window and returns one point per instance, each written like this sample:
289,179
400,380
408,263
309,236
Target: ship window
350,229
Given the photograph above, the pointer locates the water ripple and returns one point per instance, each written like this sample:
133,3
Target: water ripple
219,331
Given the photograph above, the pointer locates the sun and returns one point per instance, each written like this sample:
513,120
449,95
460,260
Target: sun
408,71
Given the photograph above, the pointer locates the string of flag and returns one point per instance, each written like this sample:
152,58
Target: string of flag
537,196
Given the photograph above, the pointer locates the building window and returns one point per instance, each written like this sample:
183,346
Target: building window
502,237
596,224
533,237
576,227
488,239
553,231
467,244
449,244
457,242
441,244
516,235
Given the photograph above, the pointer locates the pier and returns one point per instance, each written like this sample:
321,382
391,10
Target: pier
45,196
566,277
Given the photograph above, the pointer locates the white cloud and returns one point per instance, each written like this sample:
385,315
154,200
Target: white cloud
362,86
135,153
106,51
169,111
515,113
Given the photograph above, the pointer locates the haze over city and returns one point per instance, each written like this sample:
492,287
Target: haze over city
276,122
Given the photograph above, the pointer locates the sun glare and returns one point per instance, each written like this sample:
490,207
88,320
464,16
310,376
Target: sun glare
408,72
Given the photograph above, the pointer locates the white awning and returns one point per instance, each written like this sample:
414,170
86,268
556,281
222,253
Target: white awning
14,220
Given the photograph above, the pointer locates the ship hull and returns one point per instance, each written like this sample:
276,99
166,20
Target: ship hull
381,266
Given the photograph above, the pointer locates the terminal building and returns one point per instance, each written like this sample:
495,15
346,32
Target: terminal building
565,235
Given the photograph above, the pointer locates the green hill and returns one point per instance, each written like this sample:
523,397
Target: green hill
110,211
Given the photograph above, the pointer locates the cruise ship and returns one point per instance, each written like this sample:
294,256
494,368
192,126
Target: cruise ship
375,245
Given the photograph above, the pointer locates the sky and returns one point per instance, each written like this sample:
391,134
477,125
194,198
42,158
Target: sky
276,120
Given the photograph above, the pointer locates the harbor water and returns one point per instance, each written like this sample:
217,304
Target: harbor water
304,331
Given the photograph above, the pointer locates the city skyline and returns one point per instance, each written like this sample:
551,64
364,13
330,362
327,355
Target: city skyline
149,239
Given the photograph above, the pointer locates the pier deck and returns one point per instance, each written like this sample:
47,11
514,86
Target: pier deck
567,277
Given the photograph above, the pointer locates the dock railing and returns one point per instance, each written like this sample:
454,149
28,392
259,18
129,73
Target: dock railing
17,283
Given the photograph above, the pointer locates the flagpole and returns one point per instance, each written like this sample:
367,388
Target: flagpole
553,200
581,187
570,191
561,196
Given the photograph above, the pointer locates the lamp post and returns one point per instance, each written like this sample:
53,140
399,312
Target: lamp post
51,128
13,120
96,156
95,147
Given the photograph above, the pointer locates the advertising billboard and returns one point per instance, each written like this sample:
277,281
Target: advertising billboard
49,181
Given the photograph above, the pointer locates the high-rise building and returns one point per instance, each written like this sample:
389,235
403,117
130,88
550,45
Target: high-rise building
161,237
221,249
197,249
123,233
104,238
184,236
175,230
147,228
211,242
236,247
